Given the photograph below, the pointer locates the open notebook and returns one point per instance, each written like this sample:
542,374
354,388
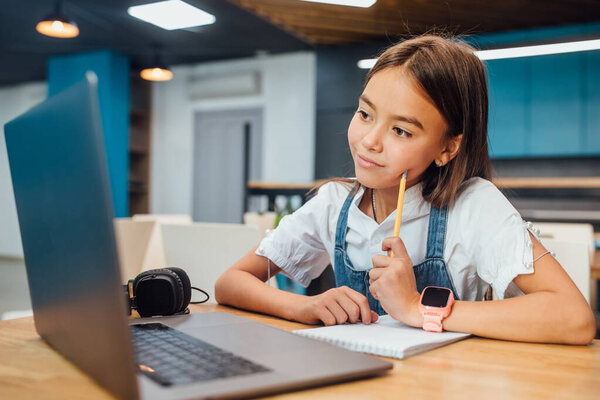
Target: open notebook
387,337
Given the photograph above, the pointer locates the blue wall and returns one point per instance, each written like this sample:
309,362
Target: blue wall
544,106
112,70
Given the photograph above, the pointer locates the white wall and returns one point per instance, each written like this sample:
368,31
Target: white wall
14,100
287,96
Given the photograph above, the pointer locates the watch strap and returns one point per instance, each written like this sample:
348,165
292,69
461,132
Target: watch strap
432,322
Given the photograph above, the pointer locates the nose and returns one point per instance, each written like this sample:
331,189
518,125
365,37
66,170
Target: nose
373,138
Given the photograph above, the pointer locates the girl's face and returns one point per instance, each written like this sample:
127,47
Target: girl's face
396,128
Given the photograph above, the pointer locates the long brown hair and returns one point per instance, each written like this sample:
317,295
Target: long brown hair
455,80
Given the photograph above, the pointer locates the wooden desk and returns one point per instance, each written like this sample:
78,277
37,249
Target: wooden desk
473,368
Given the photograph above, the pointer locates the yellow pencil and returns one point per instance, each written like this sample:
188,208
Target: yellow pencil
399,207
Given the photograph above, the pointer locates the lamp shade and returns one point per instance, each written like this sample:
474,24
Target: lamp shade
157,74
58,26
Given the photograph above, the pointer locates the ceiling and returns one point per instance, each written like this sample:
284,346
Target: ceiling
105,24
248,27
324,24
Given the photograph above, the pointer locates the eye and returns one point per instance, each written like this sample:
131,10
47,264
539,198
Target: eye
401,132
363,114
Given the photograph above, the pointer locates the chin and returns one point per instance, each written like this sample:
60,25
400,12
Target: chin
367,179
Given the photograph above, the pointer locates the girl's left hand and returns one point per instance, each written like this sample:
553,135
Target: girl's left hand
392,282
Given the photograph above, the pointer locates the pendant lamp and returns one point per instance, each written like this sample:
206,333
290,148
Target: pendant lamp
58,25
157,71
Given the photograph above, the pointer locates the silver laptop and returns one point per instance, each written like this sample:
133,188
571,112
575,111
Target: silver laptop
59,173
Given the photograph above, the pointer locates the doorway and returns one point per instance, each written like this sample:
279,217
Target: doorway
227,153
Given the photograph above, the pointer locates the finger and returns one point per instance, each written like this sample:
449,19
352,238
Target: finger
338,312
373,291
325,316
351,309
380,261
363,304
375,274
374,316
396,245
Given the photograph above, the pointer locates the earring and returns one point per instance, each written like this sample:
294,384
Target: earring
439,163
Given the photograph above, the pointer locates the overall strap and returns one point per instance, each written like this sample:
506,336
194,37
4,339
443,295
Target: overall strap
436,236
342,223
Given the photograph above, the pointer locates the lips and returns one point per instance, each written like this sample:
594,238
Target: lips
366,162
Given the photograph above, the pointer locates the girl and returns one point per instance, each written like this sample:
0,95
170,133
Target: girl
423,110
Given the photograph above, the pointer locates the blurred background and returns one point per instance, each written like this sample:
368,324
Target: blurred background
240,111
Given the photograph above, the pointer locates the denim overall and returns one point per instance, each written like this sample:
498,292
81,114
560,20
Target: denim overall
431,272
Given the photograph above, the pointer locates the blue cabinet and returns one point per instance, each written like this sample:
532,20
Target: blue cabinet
556,105
509,120
545,106
112,70
591,121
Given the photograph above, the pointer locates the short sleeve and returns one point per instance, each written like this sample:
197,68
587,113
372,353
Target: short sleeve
496,236
299,244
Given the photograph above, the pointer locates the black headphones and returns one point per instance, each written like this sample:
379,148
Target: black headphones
158,292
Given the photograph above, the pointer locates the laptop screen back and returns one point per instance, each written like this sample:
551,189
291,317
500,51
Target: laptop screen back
60,179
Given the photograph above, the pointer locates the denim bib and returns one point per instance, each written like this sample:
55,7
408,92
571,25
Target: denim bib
431,272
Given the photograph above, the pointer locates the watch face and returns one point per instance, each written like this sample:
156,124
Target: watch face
436,297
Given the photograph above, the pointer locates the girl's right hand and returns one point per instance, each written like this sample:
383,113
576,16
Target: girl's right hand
335,306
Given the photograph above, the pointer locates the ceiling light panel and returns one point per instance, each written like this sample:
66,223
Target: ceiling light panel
350,3
171,14
517,52
539,50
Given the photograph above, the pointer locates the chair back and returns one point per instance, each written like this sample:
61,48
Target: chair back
206,250
164,218
575,260
139,246
583,233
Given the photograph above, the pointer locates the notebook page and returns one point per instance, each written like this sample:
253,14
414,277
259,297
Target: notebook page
386,337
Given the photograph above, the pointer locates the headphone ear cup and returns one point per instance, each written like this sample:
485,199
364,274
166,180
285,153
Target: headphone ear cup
186,286
178,303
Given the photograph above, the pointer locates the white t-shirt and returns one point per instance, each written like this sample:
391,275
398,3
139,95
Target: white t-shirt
487,242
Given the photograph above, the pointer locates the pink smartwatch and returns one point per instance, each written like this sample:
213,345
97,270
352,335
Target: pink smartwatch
435,305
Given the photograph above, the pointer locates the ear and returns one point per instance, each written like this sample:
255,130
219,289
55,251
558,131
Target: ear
450,149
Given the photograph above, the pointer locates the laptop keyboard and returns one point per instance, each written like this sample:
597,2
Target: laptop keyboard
171,357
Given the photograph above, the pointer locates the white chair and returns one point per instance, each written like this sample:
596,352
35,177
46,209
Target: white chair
575,260
262,222
206,250
164,218
583,233
571,232
15,314
140,244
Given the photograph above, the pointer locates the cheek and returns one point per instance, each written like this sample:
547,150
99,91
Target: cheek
401,156
407,155
353,133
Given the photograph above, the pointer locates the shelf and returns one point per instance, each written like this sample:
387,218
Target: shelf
562,215
280,185
138,190
140,114
138,151
504,183
548,183
137,112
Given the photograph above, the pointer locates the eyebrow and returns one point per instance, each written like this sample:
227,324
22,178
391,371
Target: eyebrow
410,120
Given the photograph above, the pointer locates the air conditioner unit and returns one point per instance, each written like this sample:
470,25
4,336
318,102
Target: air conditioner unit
215,86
